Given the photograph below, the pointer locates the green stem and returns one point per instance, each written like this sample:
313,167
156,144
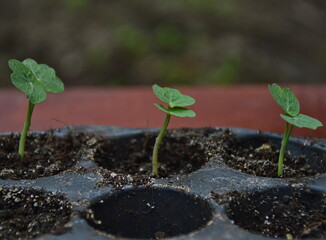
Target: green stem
285,140
157,145
27,124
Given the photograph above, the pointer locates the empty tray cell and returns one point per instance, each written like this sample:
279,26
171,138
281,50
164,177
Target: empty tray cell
149,213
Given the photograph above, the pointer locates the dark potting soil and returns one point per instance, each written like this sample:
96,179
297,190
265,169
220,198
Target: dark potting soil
181,151
45,155
28,213
280,213
119,180
259,157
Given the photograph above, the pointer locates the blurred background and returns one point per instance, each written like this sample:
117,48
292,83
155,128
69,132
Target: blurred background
129,42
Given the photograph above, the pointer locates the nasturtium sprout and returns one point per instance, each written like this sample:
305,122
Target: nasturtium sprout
35,80
176,103
286,99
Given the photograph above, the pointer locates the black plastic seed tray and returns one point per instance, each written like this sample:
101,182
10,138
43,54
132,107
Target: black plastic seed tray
181,206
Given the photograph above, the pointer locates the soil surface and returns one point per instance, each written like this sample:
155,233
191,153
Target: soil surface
289,214
28,213
259,157
45,155
181,152
118,181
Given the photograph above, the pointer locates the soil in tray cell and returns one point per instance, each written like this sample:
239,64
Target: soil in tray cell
290,213
45,155
28,213
182,151
258,155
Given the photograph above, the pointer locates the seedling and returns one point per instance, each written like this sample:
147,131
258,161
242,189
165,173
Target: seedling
286,99
176,102
35,80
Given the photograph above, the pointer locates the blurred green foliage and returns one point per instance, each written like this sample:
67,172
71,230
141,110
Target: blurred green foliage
76,4
132,40
169,38
168,42
228,71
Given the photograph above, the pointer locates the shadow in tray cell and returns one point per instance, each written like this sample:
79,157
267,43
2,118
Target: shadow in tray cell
149,213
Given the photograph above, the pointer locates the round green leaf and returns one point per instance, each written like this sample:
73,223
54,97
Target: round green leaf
177,111
302,121
172,97
46,75
25,81
34,79
285,98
